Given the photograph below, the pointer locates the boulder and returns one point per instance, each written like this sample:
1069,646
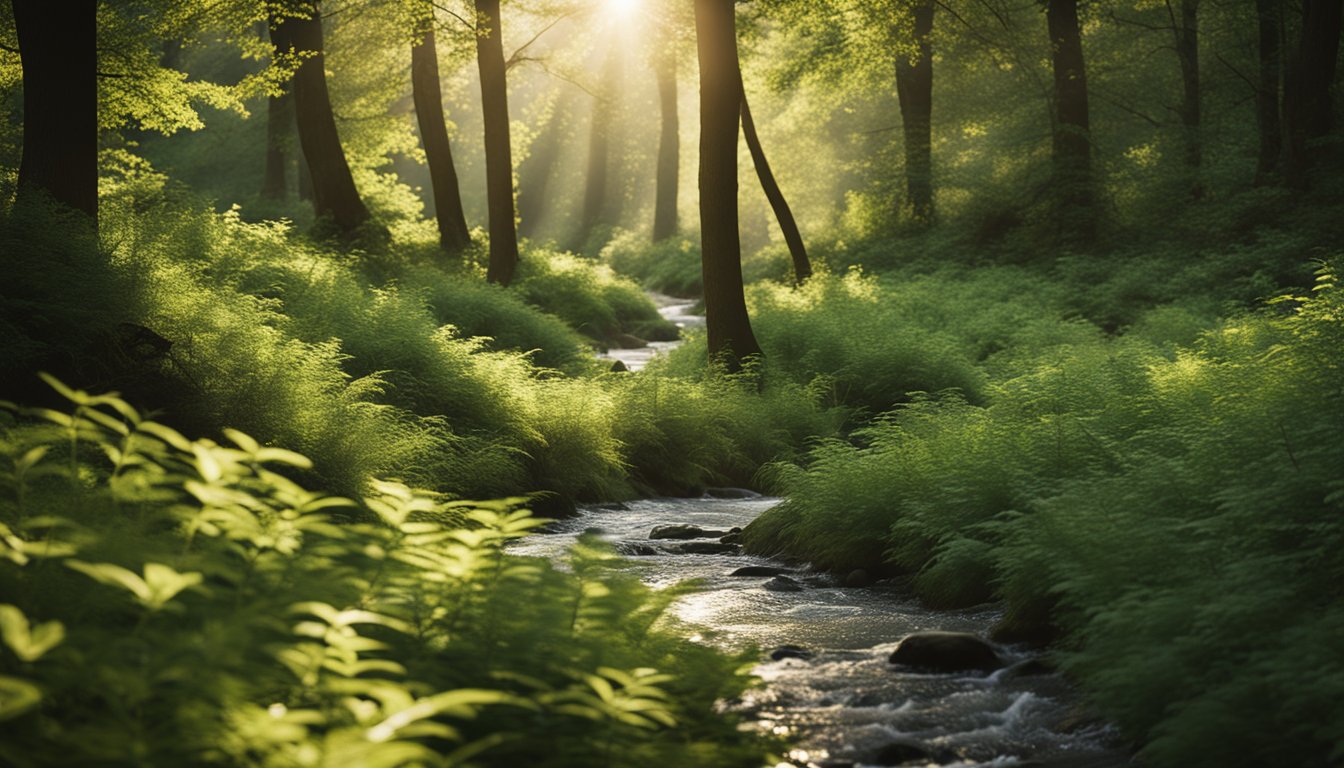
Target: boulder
782,584
760,570
619,367
946,652
702,548
731,538
790,652
635,549
684,532
1029,668
857,578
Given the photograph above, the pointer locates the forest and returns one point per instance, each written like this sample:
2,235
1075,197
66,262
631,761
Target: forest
759,384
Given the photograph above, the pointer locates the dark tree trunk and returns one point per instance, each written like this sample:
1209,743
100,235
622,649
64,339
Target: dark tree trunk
59,49
1072,141
279,128
595,195
428,95
914,90
335,198
802,267
1187,50
1307,104
534,173
727,324
498,149
1269,13
305,181
669,144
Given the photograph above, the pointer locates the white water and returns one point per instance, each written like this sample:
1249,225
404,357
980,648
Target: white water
847,701
678,312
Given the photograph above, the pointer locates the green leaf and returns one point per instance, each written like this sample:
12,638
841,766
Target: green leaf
17,696
28,642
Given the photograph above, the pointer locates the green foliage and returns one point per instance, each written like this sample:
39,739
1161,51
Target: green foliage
590,297
1178,511
671,267
182,602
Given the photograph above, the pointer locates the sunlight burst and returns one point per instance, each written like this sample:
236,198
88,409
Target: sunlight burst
622,9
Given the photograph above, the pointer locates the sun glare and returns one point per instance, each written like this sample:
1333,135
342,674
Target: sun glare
623,8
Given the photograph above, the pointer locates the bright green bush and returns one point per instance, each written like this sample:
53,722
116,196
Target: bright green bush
589,296
1176,515
671,267
184,603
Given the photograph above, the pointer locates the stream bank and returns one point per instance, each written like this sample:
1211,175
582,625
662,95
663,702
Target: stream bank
839,701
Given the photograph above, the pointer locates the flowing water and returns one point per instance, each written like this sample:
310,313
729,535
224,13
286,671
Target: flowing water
678,312
846,703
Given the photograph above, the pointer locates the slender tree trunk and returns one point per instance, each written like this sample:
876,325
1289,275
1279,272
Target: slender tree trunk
58,47
802,267
669,143
1072,141
335,198
1269,13
727,324
305,181
498,149
534,173
428,96
1307,105
595,195
1187,51
914,90
279,127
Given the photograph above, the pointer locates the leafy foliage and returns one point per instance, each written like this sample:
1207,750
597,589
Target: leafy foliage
185,602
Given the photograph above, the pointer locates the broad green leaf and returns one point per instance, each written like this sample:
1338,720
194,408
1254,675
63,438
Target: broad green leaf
17,697
28,642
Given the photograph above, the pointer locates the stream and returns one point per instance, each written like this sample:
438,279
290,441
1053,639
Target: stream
846,703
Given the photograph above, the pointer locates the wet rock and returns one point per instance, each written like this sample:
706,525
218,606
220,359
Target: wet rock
898,752
634,549
782,584
1029,668
867,700
760,570
731,538
702,548
832,762
627,341
1079,718
790,652
731,493
684,532
857,578
619,367
593,530
946,652
613,506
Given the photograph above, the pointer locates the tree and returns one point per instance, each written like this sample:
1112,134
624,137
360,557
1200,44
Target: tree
1186,31
335,198
427,94
669,140
279,125
498,150
802,267
535,172
1270,56
914,91
1071,136
58,46
727,325
596,205
1308,109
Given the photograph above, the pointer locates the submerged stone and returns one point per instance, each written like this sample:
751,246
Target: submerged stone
760,570
782,584
790,652
684,532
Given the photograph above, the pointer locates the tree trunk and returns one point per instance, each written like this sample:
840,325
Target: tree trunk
802,267
279,127
535,172
1307,105
1267,94
595,196
498,150
335,198
428,96
669,143
59,49
727,324
914,90
1072,142
1187,50
305,181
